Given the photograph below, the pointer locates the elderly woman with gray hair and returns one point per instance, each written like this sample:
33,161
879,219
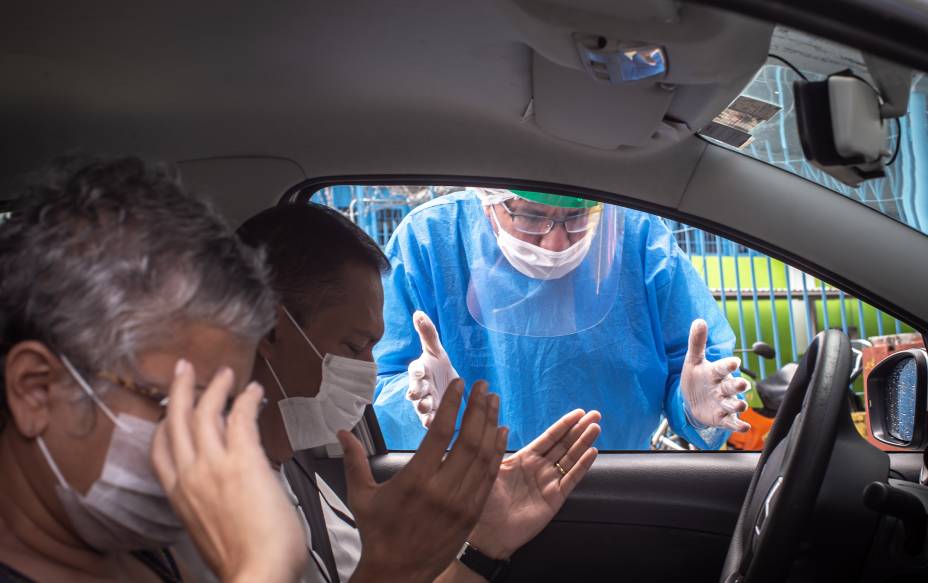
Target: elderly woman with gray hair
116,289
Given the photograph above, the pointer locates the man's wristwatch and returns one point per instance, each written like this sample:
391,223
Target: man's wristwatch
493,570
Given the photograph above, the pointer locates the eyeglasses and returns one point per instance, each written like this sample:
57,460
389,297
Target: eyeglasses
155,393
538,225
150,391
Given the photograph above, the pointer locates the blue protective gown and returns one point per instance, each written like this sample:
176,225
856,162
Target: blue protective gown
627,365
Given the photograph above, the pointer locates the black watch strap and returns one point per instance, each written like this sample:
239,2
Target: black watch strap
493,570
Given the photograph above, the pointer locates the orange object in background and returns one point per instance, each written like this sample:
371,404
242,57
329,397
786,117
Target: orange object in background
753,439
882,347
756,436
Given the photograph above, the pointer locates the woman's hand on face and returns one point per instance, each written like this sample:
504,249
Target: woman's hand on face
221,485
413,525
531,489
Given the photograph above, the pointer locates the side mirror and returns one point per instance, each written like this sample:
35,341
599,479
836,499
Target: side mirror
897,399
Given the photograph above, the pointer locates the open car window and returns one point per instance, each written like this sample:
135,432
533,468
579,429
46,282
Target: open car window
761,123
608,331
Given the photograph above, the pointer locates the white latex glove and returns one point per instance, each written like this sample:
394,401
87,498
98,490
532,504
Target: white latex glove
431,373
710,390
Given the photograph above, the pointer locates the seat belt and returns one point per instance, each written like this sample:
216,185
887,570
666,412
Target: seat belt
302,477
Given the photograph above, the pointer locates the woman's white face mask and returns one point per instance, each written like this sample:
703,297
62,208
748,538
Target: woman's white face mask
125,508
347,388
536,262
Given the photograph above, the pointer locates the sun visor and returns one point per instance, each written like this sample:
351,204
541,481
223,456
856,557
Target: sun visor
567,104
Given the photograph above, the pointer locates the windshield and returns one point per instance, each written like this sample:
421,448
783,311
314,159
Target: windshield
767,130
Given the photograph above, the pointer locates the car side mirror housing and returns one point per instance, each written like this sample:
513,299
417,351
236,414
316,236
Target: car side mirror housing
897,399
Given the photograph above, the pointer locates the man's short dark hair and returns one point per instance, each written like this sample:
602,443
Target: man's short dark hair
306,246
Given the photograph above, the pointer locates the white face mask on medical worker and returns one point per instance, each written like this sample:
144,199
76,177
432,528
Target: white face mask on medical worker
347,388
125,508
536,262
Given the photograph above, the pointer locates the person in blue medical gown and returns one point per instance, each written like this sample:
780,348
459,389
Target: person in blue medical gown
558,302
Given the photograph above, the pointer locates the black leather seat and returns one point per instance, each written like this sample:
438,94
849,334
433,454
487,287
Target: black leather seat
772,389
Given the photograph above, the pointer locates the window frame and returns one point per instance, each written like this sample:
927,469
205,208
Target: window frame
304,191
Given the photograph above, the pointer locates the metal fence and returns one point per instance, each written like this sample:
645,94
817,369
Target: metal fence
769,301
377,209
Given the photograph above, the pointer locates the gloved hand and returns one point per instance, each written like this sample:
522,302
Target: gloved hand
431,373
709,388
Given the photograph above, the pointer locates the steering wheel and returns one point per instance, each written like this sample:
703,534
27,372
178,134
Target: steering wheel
788,477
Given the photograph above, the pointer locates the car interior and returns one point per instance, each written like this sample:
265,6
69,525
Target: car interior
615,101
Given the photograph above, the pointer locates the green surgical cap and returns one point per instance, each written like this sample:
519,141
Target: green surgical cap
570,202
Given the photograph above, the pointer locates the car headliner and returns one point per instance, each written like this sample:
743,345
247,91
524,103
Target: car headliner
252,99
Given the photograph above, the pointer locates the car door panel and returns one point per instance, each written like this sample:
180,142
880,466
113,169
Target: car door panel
636,516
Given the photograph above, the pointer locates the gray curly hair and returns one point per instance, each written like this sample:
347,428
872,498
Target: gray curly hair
105,257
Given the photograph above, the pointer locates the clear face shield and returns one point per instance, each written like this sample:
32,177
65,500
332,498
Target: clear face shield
543,265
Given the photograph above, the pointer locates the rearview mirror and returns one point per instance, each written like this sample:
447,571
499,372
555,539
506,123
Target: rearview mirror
841,128
897,395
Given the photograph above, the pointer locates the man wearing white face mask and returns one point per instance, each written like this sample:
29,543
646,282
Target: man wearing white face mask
318,366
559,302
345,390
313,420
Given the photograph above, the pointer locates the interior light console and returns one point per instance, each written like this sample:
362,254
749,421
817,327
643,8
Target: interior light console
615,63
